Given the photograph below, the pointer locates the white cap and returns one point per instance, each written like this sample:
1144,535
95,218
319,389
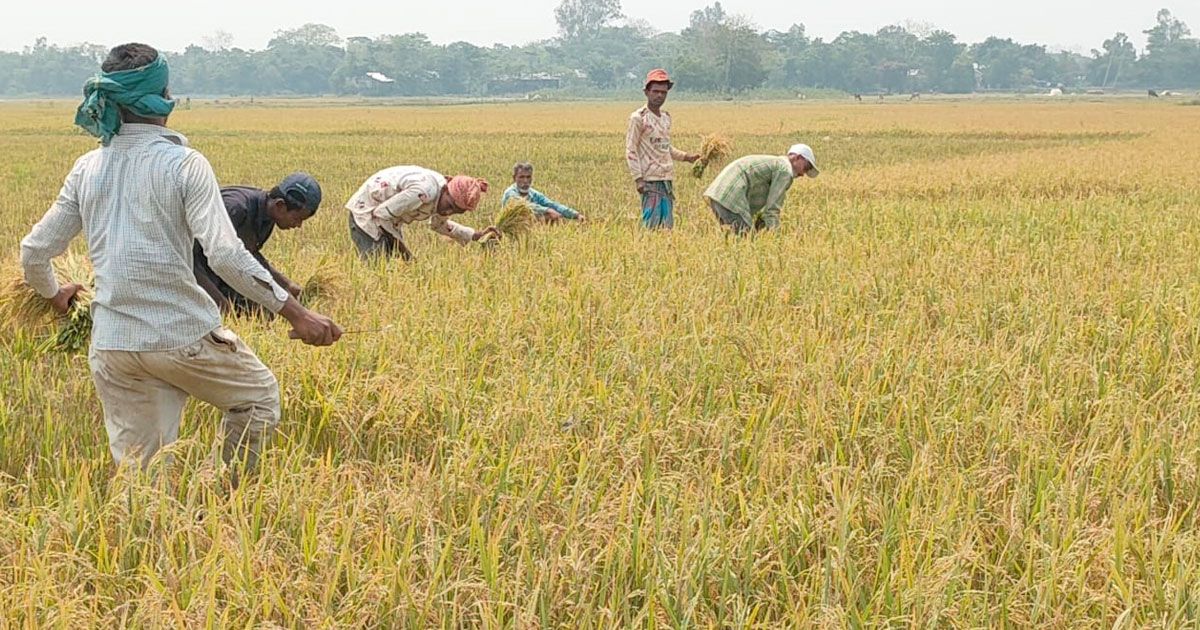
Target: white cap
806,152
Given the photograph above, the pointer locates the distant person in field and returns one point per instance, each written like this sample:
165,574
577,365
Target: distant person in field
400,195
141,200
255,214
543,207
748,193
650,156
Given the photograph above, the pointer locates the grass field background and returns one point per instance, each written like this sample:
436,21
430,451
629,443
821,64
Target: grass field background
959,388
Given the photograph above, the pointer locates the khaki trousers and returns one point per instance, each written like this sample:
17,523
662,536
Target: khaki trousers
143,395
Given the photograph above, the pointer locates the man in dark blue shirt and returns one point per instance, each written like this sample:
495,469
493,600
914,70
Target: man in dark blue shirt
255,214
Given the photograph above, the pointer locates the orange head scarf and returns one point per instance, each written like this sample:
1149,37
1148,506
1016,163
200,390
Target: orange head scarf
466,191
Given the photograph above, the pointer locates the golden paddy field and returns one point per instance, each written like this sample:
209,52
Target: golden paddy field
960,388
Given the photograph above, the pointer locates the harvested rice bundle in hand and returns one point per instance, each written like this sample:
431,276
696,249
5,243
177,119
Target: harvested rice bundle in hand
24,311
75,331
18,305
515,219
714,150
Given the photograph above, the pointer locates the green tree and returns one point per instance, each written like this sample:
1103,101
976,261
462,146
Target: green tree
585,18
789,47
1007,65
898,57
307,35
1107,64
607,56
852,57
1166,32
722,52
461,68
1171,58
942,72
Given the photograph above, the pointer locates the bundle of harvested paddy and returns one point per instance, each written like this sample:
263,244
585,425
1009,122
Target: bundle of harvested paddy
326,280
515,219
20,307
23,311
714,150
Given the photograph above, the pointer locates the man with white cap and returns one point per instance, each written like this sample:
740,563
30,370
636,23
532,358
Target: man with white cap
750,191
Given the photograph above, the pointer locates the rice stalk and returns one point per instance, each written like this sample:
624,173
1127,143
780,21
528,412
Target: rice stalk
714,150
21,308
327,279
24,312
515,219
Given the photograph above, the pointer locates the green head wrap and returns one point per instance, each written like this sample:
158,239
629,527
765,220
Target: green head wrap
139,90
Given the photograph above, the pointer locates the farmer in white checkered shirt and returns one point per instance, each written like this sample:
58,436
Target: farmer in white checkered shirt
141,200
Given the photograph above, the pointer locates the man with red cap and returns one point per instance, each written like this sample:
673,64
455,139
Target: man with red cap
651,157
401,195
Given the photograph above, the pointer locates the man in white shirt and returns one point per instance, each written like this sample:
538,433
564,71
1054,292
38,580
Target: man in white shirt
141,200
400,195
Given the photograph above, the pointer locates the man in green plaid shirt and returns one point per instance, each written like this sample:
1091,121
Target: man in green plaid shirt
749,193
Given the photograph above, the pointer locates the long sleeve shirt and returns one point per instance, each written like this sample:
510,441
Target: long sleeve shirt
247,210
141,202
401,195
540,203
752,185
648,150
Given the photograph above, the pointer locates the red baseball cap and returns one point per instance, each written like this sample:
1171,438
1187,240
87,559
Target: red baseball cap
658,75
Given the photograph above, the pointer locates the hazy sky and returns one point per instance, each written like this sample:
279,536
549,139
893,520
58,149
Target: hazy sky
1068,24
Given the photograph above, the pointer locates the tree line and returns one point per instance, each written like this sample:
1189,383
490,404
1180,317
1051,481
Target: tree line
599,50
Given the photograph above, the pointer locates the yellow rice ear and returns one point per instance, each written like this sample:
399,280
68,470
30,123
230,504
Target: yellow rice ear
515,219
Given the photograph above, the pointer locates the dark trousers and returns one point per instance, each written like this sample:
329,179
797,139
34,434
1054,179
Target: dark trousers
725,216
241,304
385,245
